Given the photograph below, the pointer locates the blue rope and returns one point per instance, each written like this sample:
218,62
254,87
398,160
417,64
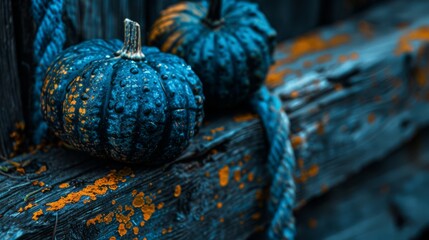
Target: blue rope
49,41
281,163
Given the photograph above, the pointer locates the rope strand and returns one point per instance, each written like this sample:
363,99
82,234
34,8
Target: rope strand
49,41
281,163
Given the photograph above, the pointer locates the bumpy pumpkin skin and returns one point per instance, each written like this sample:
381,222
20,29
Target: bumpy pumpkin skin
126,110
231,56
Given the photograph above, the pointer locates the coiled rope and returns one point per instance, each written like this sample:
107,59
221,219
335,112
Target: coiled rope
49,40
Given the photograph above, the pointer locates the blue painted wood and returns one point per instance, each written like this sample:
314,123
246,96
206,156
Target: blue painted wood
124,105
229,46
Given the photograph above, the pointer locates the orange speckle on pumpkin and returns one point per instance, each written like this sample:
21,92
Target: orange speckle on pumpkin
312,223
219,205
42,169
371,117
64,185
256,216
122,230
250,177
37,214
98,188
224,176
177,190
237,175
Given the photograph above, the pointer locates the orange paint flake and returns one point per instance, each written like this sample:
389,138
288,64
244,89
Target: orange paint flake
219,205
64,185
42,169
218,129
177,190
98,188
245,117
224,176
371,117
37,214
122,230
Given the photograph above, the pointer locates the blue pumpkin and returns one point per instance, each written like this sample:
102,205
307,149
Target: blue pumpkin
228,45
132,105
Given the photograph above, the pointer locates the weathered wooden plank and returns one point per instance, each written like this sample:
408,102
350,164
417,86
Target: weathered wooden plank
388,199
10,100
196,197
327,153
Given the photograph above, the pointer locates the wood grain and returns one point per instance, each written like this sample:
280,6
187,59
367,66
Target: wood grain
10,96
353,91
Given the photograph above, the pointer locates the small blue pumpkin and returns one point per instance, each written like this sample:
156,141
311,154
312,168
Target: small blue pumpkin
228,45
132,105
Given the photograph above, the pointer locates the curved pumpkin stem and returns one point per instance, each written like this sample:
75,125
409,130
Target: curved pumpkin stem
132,48
214,13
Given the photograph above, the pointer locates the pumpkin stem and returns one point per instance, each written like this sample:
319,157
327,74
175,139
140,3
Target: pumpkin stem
132,48
214,13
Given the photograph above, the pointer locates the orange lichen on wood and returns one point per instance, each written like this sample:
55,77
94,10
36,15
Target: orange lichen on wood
219,205
371,118
122,230
64,185
37,214
297,141
99,188
42,169
160,205
135,230
312,223
245,117
366,29
177,190
405,42
312,43
208,138
218,129
256,216
275,78
250,177
224,176
305,174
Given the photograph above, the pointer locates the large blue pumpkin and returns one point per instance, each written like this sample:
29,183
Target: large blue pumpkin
228,45
133,105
